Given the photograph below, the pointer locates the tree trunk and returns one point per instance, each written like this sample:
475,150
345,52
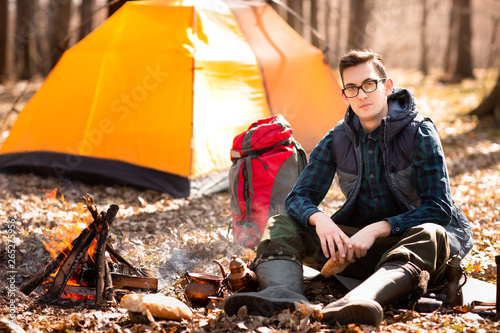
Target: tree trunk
424,66
359,15
494,47
338,46
450,52
314,22
298,7
57,31
4,15
326,17
489,110
25,41
458,57
463,68
332,61
86,10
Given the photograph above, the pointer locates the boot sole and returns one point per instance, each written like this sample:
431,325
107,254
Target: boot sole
366,312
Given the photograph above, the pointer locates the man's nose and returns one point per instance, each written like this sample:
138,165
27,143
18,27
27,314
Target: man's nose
362,94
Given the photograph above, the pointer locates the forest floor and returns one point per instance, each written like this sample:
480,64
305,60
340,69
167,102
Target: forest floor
172,236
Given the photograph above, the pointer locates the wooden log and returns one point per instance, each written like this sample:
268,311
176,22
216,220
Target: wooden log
125,281
101,264
84,291
91,206
109,292
111,214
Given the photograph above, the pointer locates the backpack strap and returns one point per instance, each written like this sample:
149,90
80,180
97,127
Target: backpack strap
247,186
301,156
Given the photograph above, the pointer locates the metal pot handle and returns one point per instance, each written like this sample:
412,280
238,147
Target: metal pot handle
221,268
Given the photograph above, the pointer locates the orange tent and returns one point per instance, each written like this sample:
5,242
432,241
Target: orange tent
156,94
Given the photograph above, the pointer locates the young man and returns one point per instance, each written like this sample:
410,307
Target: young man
398,219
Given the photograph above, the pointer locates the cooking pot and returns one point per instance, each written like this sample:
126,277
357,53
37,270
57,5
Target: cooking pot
201,286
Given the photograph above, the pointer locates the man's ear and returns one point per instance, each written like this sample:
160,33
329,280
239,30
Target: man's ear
345,99
389,84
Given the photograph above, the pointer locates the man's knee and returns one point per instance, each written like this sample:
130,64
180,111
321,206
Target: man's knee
433,230
437,234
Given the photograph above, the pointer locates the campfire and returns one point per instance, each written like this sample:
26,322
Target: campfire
89,267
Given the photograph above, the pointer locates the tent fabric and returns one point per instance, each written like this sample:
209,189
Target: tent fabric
299,84
156,94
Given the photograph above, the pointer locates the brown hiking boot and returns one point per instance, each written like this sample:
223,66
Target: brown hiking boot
364,304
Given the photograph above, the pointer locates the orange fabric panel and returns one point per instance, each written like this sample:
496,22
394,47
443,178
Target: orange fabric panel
124,93
228,90
299,84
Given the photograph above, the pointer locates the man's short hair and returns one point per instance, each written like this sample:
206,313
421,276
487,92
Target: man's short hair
358,57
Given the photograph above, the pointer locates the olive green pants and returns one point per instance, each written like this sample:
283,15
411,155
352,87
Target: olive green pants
425,245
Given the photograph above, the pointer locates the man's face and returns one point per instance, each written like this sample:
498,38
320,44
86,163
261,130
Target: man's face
370,107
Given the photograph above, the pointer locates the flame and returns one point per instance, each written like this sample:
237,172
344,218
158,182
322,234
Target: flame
64,201
93,250
76,296
49,194
62,236
52,194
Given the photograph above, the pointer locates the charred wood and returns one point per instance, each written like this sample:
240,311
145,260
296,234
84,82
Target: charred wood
91,206
109,293
145,283
100,264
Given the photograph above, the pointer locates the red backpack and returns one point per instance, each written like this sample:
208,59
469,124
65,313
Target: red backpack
267,162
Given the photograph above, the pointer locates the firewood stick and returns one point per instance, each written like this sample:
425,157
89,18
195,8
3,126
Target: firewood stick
91,206
101,264
111,214
109,294
118,257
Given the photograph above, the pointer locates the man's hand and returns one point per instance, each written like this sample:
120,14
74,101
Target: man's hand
363,240
330,235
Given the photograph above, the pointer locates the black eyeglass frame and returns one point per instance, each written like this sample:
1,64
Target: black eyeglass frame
377,81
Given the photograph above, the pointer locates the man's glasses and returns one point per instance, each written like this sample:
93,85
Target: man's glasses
368,87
